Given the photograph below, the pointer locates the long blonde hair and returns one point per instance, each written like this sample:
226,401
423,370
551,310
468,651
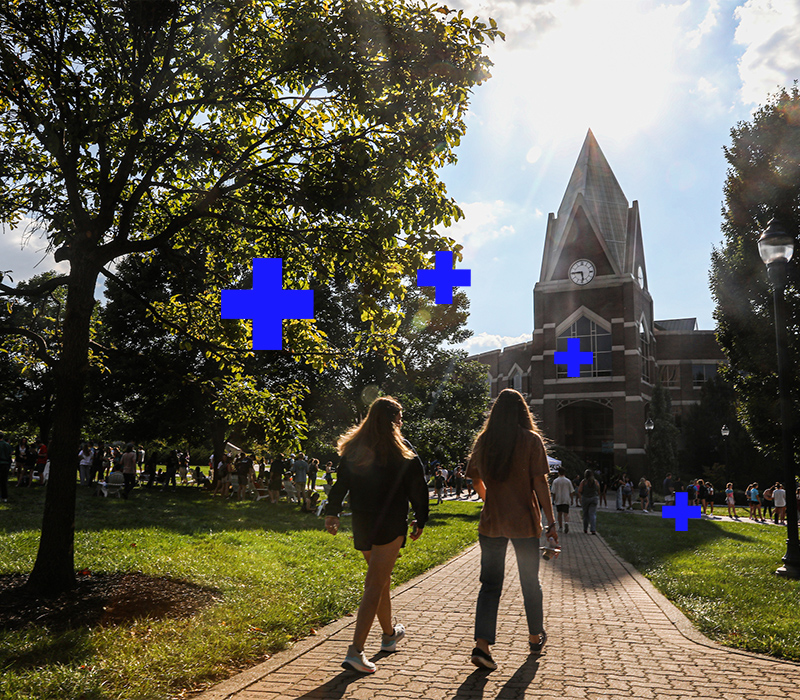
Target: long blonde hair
377,438
495,444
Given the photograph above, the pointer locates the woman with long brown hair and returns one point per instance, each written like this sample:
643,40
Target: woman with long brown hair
509,469
382,473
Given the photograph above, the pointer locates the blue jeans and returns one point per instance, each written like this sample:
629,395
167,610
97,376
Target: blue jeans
589,506
493,564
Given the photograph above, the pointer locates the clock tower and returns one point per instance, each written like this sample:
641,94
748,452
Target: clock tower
593,286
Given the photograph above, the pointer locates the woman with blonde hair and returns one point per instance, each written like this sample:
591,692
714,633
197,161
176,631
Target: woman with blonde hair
382,473
508,468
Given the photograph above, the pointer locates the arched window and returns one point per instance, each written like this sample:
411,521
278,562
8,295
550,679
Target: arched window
594,339
646,353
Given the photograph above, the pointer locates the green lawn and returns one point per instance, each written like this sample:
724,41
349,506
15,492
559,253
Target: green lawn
720,574
278,573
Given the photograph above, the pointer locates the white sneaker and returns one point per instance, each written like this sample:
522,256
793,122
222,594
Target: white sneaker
357,661
389,641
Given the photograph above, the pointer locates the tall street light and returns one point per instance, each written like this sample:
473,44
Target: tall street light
775,248
725,431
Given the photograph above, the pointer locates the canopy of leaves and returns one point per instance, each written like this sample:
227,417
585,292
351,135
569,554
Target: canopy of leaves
763,182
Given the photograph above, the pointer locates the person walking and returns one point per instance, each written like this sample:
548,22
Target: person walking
730,500
562,489
383,473
509,470
643,494
588,491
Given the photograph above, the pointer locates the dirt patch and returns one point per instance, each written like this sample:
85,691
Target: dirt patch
101,599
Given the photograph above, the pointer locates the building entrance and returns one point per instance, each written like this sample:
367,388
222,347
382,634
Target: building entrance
587,428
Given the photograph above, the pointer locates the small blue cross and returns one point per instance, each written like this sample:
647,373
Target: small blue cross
267,303
443,277
682,511
573,358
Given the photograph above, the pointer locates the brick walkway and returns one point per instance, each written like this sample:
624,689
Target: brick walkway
611,635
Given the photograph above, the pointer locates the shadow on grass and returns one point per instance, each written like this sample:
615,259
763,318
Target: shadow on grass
645,542
185,510
70,647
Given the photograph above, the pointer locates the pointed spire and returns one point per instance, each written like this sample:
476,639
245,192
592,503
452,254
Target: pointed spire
606,203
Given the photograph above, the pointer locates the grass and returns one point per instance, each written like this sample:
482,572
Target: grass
278,573
721,576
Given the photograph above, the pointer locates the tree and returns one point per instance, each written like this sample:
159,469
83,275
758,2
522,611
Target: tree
227,129
763,181
704,445
662,445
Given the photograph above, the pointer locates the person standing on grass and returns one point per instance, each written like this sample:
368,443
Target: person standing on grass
588,490
299,472
383,473
779,498
562,489
509,471
128,469
730,499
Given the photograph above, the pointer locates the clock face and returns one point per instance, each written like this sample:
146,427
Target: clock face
581,271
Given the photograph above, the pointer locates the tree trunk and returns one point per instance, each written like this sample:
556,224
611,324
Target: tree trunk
54,570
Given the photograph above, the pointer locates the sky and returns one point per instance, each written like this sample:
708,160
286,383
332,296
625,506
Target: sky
659,83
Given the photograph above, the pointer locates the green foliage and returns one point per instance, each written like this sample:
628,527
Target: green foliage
277,572
705,448
763,181
720,574
662,444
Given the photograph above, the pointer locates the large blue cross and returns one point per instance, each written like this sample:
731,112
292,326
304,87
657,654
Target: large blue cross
267,303
573,358
682,511
444,277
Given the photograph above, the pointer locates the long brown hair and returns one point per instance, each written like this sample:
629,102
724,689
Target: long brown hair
377,438
495,444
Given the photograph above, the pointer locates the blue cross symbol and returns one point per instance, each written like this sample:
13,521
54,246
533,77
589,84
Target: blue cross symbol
443,277
573,358
682,511
267,303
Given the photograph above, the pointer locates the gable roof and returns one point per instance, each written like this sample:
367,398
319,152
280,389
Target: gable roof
594,182
676,324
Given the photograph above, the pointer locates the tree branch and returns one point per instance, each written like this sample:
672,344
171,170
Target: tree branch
39,342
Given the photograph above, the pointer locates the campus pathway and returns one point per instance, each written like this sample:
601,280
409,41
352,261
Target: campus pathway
611,635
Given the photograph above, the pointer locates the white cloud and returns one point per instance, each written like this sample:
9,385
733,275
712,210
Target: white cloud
709,22
483,342
770,32
23,253
481,224
525,20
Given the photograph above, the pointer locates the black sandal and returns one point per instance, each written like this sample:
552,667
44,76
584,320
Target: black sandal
536,647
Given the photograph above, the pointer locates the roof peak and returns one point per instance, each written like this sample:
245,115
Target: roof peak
606,203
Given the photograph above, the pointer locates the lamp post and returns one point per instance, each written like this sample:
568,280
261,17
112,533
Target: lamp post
648,428
775,248
724,431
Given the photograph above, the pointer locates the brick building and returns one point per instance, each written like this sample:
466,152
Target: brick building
593,286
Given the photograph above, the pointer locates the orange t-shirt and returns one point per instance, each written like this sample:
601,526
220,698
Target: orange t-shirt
511,508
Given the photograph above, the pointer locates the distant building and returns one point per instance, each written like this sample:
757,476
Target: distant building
593,286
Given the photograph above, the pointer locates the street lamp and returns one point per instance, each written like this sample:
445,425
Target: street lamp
724,431
775,248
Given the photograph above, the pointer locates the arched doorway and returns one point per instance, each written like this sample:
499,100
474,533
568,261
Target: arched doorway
587,428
